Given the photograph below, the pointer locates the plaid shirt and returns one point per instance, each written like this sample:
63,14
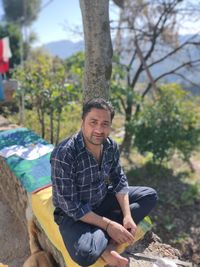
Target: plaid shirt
79,182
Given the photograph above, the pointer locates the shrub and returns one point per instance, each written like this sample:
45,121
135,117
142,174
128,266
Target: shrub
166,125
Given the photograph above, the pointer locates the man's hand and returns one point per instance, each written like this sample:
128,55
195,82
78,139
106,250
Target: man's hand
119,233
129,224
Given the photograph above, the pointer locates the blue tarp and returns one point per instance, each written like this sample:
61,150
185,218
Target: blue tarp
2,96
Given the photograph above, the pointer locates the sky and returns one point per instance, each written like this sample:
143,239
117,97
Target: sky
58,16
53,19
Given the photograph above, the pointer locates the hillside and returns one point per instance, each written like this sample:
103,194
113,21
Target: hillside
66,48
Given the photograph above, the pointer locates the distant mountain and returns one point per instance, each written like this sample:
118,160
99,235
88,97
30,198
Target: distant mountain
66,48
63,48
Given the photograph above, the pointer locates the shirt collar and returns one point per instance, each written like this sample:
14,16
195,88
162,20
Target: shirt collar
80,140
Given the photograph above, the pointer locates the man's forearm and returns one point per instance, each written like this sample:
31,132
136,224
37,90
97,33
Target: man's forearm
124,203
115,230
95,219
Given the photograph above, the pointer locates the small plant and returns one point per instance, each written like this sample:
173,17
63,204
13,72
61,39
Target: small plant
44,83
168,223
191,194
180,239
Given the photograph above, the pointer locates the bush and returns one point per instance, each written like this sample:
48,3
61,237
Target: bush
166,125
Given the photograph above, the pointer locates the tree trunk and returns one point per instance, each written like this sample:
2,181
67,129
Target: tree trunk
40,114
98,48
43,125
127,140
126,144
58,128
51,126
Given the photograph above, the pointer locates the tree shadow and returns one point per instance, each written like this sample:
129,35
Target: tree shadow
178,208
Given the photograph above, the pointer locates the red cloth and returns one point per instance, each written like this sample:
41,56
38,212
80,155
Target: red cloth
1,49
4,65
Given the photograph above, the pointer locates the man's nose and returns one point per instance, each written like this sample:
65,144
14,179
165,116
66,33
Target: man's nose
99,128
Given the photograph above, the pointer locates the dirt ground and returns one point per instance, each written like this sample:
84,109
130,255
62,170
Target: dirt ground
176,218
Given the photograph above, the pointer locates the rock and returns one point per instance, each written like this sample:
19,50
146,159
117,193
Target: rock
3,121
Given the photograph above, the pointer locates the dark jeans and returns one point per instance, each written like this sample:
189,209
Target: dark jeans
84,242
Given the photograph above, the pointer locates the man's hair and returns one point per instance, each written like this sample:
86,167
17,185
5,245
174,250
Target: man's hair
98,103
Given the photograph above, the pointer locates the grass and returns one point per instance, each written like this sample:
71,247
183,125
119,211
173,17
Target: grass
70,122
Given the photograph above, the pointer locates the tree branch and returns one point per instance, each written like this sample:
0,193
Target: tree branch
119,3
157,30
189,64
175,50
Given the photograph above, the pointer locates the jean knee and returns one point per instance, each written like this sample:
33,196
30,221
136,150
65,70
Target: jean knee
152,197
87,252
85,258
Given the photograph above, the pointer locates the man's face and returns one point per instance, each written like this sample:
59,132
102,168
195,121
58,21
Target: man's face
96,126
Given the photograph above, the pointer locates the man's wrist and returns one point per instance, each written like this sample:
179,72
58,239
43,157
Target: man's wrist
127,214
108,224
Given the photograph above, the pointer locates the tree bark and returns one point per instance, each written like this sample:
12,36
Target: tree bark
98,48
51,126
128,136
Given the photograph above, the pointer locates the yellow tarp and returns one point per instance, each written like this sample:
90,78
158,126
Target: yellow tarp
43,209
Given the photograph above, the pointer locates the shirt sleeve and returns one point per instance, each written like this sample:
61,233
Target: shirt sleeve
117,175
64,187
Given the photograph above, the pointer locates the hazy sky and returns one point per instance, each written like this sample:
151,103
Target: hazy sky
55,20
49,25
51,20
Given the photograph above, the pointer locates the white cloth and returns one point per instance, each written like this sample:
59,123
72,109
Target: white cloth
164,263
6,49
29,153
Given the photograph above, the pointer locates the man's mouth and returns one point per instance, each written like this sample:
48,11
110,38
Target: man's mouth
98,136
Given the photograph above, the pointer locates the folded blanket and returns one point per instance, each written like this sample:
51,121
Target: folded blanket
30,152
34,173
19,136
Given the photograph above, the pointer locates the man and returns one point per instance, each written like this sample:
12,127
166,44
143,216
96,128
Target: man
95,208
